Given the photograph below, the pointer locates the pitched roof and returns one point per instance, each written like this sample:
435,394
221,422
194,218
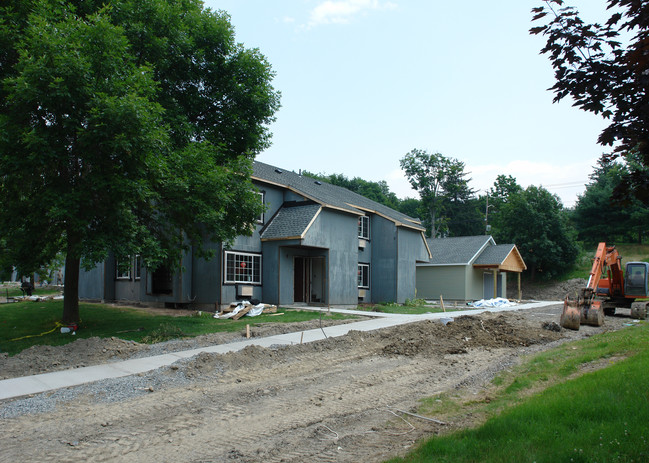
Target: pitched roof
461,250
328,195
494,255
291,222
504,257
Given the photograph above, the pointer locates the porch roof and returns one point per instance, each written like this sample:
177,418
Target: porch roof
291,222
503,257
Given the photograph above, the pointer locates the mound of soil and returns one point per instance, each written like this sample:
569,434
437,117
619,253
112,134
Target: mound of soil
553,291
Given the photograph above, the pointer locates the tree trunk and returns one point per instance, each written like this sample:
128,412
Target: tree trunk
71,284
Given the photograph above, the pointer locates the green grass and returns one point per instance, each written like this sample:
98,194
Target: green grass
23,324
549,410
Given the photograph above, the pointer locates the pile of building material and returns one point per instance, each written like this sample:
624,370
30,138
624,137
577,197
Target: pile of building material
236,310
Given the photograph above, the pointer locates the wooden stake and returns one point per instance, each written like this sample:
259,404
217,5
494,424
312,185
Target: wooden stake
301,337
441,301
248,331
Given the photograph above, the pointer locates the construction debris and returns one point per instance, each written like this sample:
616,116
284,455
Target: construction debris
236,310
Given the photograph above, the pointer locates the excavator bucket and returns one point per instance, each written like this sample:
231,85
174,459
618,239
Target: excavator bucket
592,314
571,315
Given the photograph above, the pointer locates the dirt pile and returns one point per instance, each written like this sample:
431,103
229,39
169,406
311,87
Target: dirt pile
429,338
94,350
553,291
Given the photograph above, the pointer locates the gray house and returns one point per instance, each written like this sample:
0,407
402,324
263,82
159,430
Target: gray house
315,244
468,268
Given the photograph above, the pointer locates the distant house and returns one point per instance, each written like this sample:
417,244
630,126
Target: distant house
315,244
467,268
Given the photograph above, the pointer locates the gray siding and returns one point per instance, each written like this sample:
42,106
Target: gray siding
337,232
383,235
448,281
411,246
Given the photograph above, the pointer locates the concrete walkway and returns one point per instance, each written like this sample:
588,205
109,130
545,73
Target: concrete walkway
16,387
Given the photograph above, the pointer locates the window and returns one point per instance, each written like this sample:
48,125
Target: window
123,268
138,266
260,219
364,276
242,267
364,227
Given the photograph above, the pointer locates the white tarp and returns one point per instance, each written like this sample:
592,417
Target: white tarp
497,302
253,312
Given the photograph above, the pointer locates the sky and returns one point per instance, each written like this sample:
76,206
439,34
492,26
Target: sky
363,82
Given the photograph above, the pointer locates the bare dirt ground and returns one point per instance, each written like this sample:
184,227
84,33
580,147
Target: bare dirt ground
332,400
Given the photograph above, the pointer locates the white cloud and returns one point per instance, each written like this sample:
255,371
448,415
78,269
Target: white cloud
343,11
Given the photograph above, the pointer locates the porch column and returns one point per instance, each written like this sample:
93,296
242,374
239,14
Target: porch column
495,271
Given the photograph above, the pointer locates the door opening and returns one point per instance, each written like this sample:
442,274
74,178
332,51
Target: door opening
308,280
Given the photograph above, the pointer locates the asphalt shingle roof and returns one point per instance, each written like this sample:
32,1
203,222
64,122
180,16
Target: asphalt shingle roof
457,250
494,255
329,195
290,222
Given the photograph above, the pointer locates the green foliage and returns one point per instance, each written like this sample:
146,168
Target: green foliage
602,68
443,189
128,128
598,218
25,324
599,416
535,221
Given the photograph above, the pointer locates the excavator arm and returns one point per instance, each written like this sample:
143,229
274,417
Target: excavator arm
586,309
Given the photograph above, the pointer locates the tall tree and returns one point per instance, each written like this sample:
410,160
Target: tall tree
129,127
605,77
598,218
535,221
433,176
460,204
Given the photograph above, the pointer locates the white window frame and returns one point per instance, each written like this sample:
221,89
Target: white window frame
232,261
364,227
361,276
122,276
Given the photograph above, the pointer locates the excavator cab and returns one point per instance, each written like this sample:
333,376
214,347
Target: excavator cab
636,279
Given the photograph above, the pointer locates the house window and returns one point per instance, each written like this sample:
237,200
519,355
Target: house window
364,227
242,267
138,266
364,276
260,219
123,268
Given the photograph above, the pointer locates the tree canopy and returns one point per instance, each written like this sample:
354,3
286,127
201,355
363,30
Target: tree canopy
441,183
534,220
128,127
607,74
598,218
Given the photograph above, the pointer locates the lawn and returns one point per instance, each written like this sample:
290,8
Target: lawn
549,410
23,324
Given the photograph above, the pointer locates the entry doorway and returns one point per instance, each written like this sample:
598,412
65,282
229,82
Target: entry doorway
488,286
309,280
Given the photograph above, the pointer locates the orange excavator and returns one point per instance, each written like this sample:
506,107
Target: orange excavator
608,288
